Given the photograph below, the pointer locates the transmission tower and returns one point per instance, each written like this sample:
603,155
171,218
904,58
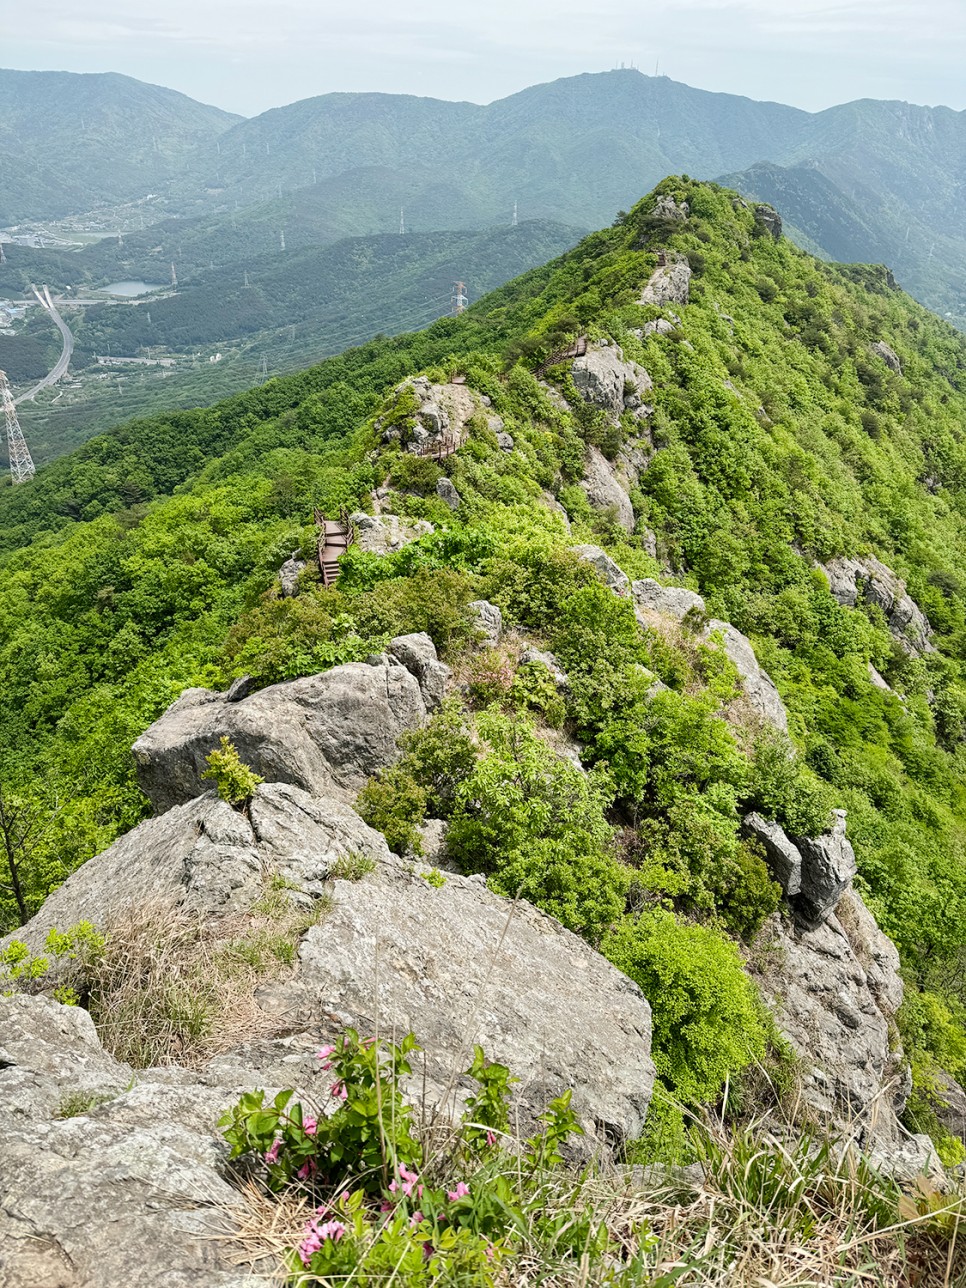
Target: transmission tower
402,222
459,300
21,465
174,276
514,224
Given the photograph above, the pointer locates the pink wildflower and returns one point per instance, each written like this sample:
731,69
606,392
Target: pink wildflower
415,1219
323,1055
409,1180
461,1191
491,1138
316,1235
393,1187
310,1125
271,1155
338,1090
308,1168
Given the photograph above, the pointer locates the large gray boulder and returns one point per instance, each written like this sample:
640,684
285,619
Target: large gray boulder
129,1190
439,425
828,868
868,580
210,860
605,379
603,490
288,575
834,992
488,619
783,856
324,732
814,871
888,356
602,563
652,601
458,965
760,691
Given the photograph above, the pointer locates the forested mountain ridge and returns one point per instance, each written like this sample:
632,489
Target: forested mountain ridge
69,142
744,417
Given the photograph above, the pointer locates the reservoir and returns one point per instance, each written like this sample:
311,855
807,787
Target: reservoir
130,289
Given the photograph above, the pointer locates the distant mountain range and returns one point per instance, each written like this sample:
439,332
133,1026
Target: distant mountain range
870,180
71,142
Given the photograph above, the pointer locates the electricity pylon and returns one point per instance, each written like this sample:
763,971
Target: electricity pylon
21,464
459,300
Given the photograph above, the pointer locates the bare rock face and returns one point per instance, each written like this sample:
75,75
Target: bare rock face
459,965
670,283
871,581
446,491
604,379
603,490
383,534
417,653
949,1102
667,208
888,356
834,991
784,857
210,860
322,733
617,580
828,869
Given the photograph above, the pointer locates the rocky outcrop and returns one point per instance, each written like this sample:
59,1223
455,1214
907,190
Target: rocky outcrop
417,653
609,572
783,856
834,992
446,491
605,379
537,657
604,493
383,534
133,1187
438,426
208,859
288,575
632,461
814,872
670,283
949,1102
828,869
667,208
868,580
888,356
488,620
322,732
768,218
759,688
654,601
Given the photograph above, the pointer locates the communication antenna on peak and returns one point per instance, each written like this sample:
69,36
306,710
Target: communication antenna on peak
21,464
174,276
281,238
513,222
402,222
459,300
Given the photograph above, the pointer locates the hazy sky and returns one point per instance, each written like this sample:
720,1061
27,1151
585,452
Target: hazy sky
248,55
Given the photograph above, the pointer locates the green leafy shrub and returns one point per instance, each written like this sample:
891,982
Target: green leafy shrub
235,781
708,1021
394,804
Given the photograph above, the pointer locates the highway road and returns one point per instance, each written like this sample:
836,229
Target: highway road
63,362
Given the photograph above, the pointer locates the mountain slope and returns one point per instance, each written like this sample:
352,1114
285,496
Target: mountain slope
69,142
793,414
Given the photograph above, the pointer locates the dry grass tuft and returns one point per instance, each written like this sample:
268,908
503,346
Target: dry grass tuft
172,986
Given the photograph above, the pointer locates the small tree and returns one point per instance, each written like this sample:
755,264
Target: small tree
23,827
235,781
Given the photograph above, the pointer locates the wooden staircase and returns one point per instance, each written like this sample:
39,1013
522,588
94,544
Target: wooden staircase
335,538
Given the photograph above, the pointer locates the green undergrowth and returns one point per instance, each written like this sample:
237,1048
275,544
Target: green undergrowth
146,563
